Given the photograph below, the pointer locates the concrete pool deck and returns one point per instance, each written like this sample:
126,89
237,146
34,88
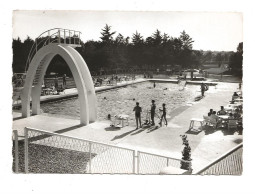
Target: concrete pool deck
206,145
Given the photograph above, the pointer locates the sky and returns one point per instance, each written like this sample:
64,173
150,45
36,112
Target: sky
215,31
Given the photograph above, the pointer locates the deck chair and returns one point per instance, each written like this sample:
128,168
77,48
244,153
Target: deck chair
232,123
206,120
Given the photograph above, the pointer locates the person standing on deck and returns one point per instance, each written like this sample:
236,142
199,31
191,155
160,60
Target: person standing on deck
138,111
202,89
153,108
64,80
56,82
163,115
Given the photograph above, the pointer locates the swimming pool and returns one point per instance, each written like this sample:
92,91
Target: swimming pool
123,100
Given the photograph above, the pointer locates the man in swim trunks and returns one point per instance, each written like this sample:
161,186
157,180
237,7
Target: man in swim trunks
153,108
138,111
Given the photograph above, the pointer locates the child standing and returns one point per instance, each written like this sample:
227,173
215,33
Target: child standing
163,115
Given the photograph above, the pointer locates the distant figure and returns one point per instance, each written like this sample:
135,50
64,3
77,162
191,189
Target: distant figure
163,115
64,80
56,82
231,116
153,108
60,89
240,85
237,114
210,112
222,111
109,117
202,89
234,96
214,116
154,84
138,111
53,88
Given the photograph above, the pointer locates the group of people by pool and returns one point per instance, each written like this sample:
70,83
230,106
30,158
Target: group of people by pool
137,109
55,87
230,113
111,79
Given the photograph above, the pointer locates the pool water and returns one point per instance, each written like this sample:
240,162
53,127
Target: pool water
123,100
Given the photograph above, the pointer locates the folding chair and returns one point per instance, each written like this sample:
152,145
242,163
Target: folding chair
232,123
213,122
206,120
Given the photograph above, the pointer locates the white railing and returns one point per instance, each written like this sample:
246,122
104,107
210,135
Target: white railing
47,152
230,163
55,35
148,163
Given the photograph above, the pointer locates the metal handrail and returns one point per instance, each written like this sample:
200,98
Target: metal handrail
219,158
75,138
35,49
161,156
164,157
26,158
34,46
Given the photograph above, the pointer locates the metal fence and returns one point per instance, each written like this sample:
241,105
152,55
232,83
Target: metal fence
47,152
231,163
148,163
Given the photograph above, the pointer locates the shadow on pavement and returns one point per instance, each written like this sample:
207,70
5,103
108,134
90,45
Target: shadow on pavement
68,129
123,135
138,132
44,136
17,118
153,128
231,131
238,141
113,128
209,130
193,132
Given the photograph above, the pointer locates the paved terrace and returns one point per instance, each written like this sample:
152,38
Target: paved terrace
206,145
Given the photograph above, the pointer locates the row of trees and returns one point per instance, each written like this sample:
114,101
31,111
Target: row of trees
236,61
138,52
125,53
